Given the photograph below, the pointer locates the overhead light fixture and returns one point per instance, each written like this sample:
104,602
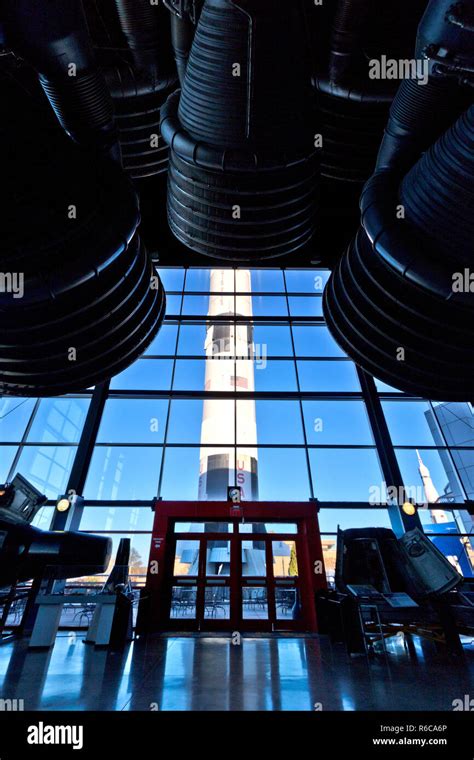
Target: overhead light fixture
409,508
63,504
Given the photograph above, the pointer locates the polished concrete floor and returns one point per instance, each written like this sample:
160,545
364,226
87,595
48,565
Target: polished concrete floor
213,673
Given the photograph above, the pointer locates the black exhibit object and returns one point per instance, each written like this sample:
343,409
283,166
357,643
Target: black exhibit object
375,557
243,172
26,551
54,39
119,584
184,17
89,300
119,573
397,301
21,498
133,47
353,105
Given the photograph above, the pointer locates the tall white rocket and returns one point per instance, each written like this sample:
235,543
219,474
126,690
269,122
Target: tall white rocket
230,367
431,493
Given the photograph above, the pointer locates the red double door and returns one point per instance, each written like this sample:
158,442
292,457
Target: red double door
217,567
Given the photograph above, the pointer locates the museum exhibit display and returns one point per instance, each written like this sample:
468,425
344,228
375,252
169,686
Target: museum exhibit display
236,373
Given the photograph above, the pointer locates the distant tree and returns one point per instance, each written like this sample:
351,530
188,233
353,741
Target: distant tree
136,562
293,566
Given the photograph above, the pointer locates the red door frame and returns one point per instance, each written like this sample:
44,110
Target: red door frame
154,607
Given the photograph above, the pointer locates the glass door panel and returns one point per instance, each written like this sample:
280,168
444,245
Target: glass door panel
287,603
217,602
254,603
183,602
254,561
217,558
186,558
285,564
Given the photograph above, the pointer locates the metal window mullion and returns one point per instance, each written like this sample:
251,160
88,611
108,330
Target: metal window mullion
298,386
173,372
23,441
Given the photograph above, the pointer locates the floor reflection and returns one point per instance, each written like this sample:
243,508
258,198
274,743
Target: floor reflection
219,673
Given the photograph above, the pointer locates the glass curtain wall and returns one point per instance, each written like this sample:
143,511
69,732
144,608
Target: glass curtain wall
245,386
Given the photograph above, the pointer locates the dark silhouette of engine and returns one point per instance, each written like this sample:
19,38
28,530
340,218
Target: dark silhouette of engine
26,551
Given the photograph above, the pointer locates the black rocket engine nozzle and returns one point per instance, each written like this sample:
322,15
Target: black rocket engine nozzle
54,39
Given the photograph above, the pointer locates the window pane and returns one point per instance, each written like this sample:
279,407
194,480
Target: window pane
459,550
306,280
210,280
14,416
199,306
110,518
165,342
411,423
345,474
456,421
282,474
139,554
269,306
254,603
145,374
337,422
331,519
269,422
272,340
192,339
203,527
7,454
315,340
217,602
262,281
43,518
218,558
267,527
439,478
190,374
133,421
59,420
267,375
183,602
193,473
329,555
253,557
172,279
47,467
464,464
288,605
285,563
305,306
121,472
186,558
198,420
173,305
384,388
328,376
